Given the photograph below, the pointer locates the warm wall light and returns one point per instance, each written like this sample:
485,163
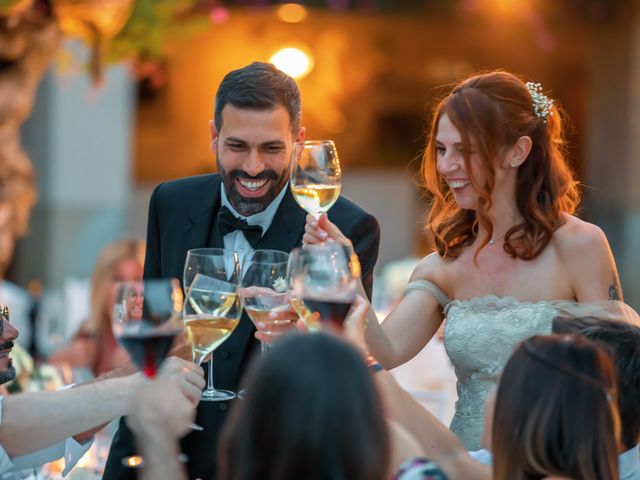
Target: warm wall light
293,61
292,12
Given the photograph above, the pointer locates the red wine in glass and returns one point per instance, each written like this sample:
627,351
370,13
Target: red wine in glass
148,349
332,312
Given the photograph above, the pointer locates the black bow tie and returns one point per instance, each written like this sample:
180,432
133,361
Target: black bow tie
230,223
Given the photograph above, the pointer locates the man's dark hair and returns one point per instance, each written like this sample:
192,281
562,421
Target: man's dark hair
622,340
259,86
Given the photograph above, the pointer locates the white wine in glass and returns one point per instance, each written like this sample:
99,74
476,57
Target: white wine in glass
316,178
212,307
213,315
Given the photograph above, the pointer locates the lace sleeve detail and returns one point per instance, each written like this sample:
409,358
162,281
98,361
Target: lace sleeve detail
432,288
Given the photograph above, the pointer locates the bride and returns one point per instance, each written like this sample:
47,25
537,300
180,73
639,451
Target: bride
510,256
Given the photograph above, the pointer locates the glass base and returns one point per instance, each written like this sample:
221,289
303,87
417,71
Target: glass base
217,395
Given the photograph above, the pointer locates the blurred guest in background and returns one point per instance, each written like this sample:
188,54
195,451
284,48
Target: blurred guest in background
94,346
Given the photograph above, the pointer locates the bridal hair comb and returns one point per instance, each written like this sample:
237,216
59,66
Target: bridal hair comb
541,103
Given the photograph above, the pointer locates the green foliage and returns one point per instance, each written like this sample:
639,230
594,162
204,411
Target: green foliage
152,26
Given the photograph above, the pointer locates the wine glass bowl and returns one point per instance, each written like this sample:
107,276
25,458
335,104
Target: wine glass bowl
325,277
147,317
264,289
316,178
211,313
212,307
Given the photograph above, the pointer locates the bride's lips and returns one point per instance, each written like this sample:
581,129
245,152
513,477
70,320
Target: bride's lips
252,188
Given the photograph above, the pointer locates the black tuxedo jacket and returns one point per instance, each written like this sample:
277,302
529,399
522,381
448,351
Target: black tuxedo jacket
182,216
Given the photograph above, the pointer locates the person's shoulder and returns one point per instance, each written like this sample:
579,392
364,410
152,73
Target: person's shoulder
348,215
187,185
428,268
577,237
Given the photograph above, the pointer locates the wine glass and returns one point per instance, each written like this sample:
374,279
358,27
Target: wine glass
325,277
146,319
265,290
315,175
212,309
298,305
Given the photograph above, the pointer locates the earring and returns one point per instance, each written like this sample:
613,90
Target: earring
514,164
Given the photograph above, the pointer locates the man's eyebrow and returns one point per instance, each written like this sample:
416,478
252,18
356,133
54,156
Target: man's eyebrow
234,140
273,143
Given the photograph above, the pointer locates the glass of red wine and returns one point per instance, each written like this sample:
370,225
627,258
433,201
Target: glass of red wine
147,318
325,277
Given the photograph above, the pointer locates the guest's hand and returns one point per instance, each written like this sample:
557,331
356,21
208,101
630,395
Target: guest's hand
187,376
279,324
322,230
160,409
356,323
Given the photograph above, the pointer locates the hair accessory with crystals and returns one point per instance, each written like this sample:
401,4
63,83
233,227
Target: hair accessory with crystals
541,103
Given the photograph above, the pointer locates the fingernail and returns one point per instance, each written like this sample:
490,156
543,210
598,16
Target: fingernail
261,325
323,234
273,315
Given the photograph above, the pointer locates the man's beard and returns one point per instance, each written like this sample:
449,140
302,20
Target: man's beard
251,205
8,374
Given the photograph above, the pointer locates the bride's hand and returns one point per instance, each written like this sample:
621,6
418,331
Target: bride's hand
322,230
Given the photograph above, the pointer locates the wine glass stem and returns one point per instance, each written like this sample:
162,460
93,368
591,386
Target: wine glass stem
210,377
264,348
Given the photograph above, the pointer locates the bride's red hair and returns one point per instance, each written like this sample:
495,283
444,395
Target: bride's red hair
494,110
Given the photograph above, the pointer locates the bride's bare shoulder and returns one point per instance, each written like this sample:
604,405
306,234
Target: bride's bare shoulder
577,238
430,268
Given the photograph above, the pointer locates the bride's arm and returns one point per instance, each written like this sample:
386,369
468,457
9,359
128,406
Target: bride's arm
585,253
410,325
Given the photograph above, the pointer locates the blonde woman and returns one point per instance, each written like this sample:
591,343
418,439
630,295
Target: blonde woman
94,346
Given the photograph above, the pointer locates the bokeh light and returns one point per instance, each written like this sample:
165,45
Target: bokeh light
292,12
293,61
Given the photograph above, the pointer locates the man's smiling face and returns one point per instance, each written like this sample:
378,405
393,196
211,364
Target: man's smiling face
253,150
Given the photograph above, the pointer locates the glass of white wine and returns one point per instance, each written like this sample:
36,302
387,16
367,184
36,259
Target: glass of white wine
265,290
212,307
311,321
316,178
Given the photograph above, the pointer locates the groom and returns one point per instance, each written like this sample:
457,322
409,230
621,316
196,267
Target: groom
247,205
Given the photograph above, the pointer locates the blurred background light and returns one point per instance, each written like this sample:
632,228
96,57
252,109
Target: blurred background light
293,61
292,12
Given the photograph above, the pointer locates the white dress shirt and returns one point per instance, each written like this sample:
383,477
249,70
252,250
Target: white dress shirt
236,241
629,464
71,450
